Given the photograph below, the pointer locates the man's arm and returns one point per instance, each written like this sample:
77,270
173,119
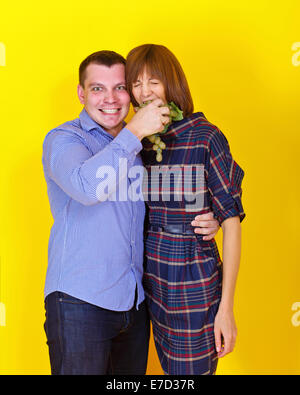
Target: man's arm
69,163
206,225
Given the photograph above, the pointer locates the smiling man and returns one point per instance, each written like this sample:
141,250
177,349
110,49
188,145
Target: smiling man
102,90
96,319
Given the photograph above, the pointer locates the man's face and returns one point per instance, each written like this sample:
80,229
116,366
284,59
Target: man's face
104,96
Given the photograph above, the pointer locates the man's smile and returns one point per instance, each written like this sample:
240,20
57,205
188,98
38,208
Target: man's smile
109,110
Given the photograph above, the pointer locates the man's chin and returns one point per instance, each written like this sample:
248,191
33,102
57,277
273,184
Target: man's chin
112,123
112,128
107,121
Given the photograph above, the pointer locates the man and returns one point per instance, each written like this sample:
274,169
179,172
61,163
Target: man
96,319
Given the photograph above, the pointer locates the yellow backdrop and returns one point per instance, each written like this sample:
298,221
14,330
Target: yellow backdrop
242,60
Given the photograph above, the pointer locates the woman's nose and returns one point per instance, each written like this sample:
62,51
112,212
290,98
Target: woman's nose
146,91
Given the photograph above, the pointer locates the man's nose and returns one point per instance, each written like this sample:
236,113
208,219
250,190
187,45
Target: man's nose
110,96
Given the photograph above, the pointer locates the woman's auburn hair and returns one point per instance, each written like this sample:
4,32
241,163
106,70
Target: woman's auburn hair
160,63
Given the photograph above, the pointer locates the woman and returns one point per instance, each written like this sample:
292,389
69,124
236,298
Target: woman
190,292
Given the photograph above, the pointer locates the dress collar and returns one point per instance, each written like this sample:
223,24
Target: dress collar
179,127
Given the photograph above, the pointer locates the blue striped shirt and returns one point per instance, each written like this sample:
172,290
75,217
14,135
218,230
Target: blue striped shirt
95,250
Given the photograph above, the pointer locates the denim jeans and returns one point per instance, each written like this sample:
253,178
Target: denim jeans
86,339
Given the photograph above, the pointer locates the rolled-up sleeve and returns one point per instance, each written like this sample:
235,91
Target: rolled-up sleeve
224,179
74,168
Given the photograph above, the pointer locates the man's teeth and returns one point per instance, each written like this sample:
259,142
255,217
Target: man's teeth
110,111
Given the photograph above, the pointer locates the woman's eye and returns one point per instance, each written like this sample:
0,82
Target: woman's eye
136,85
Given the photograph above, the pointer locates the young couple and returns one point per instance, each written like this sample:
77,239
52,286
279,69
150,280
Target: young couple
103,279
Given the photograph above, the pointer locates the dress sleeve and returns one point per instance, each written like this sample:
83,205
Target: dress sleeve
224,179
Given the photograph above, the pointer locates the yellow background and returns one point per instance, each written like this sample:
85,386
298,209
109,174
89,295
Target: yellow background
237,56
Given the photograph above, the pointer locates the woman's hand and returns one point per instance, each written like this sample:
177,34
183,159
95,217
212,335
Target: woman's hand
206,225
225,332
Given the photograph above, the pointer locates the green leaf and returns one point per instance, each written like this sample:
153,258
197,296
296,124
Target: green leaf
175,113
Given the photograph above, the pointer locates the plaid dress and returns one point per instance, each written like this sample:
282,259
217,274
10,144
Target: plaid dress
183,273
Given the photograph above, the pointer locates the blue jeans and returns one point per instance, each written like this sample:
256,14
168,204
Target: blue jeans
86,339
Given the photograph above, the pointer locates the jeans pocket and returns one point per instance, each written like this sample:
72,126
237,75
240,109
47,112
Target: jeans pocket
65,298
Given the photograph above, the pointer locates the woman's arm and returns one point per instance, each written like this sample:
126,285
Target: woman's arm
225,328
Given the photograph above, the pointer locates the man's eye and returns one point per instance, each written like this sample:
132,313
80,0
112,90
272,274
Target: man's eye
96,89
121,88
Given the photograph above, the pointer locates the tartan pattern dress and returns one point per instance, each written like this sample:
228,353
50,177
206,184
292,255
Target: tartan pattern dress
183,273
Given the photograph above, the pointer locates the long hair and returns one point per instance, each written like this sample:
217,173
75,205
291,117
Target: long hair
162,64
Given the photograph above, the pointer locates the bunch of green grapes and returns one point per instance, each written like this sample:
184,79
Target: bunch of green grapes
158,144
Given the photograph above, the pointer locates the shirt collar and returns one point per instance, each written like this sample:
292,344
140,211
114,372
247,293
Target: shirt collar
87,122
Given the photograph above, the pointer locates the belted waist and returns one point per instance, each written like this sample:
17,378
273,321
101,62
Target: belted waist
183,229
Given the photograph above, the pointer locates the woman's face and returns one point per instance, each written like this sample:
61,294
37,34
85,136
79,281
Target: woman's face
147,88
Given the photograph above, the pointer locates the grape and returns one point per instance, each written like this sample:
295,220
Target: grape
175,115
152,138
157,140
159,157
158,146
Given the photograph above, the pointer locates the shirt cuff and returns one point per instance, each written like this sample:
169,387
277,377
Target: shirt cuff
128,141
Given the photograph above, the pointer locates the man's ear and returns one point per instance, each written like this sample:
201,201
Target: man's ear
80,93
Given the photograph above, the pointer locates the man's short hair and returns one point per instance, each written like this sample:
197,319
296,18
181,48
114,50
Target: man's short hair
105,58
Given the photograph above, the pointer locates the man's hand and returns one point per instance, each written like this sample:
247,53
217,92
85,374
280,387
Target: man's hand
206,225
150,119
